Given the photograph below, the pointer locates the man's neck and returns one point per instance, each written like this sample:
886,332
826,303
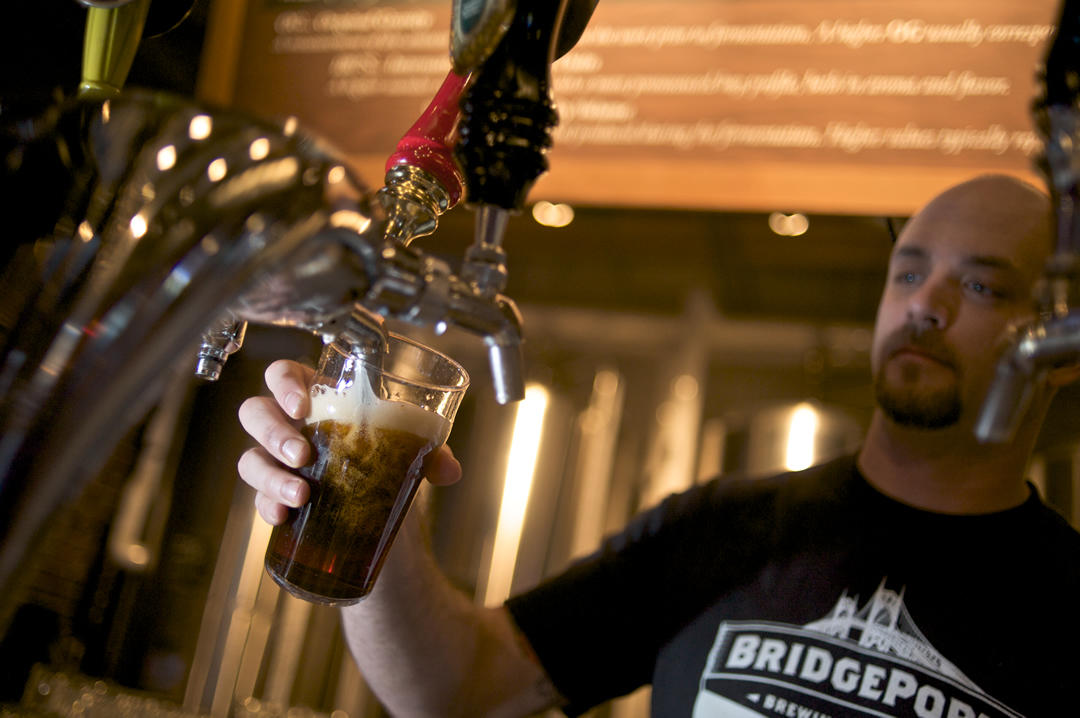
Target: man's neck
944,470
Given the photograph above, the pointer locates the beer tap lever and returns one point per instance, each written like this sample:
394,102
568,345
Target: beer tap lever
422,180
508,116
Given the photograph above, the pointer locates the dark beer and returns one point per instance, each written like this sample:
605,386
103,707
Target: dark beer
363,478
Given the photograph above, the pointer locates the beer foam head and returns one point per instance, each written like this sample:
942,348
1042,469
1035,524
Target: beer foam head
358,404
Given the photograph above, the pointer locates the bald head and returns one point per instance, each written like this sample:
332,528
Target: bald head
1002,212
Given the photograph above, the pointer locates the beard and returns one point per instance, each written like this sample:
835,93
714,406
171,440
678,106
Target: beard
905,399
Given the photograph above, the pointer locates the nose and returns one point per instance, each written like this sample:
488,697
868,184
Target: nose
932,305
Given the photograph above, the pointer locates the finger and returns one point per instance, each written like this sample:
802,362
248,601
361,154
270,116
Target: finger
267,424
288,381
260,471
272,512
441,467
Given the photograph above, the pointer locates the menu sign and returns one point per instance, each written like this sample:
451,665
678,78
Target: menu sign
844,106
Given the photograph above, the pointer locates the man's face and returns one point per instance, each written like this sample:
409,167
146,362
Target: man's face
960,275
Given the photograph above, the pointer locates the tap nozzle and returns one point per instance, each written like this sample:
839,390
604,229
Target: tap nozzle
485,260
422,179
413,201
505,356
218,343
497,319
1037,348
361,332
1011,392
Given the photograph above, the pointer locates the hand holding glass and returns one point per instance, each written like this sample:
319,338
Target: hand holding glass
370,427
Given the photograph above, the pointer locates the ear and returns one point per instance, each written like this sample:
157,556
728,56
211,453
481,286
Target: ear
1063,375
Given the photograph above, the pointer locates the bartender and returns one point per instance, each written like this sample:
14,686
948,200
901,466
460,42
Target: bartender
920,576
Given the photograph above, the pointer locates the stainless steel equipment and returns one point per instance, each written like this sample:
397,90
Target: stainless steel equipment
181,219
190,211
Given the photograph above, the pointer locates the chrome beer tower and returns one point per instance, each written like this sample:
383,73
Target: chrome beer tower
1053,338
178,217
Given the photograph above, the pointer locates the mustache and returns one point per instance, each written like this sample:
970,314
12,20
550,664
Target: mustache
928,341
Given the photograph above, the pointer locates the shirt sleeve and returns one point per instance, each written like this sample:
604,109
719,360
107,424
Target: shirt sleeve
598,626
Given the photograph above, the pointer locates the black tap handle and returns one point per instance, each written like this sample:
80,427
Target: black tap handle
508,113
577,16
1056,114
1061,71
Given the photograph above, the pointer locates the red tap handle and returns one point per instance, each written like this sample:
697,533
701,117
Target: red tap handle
429,143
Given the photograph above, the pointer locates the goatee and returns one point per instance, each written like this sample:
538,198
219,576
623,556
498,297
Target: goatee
905,402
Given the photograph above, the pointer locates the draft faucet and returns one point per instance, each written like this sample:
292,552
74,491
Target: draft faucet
385,276
180,220
1053,337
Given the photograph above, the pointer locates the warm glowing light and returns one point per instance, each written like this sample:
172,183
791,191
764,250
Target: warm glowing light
336,174
138,554
802,433
200,126
259,149
138,226
217,169
789,225
86,232
520,470
291,124
350,219
685,387
553,215
166,158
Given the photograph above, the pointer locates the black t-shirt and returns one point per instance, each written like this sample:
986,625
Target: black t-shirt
813,594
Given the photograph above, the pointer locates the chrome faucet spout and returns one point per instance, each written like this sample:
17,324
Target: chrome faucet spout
1038,347
224,338
422,290
499,322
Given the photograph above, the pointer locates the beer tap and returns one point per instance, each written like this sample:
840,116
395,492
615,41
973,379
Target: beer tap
1053,337
422,180
187,211
421,183
507,119
177,213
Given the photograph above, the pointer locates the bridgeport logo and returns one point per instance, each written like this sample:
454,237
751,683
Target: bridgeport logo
871,661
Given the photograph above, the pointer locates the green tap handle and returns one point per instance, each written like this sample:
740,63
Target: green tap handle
109,45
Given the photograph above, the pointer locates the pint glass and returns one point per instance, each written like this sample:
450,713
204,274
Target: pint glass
370,427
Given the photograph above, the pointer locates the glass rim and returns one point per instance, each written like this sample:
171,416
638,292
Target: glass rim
461,386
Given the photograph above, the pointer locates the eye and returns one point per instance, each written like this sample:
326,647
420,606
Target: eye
982,289
907,277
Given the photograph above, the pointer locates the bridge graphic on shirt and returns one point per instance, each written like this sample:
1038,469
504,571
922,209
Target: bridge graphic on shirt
883,624
855,661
